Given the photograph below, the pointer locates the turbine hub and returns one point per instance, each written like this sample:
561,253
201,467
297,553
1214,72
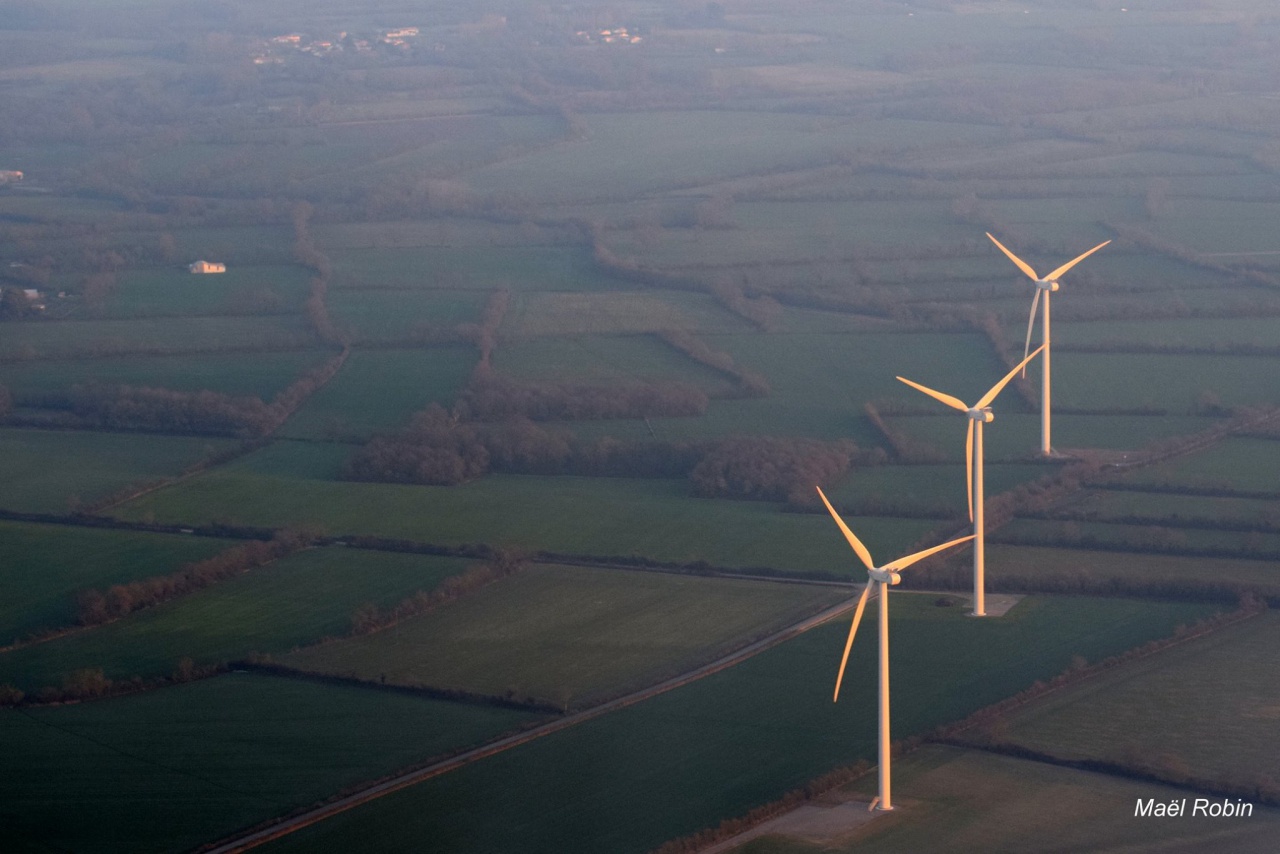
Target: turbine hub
885,576
1047,284
984,414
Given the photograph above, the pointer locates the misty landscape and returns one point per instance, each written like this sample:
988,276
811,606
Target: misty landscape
411,414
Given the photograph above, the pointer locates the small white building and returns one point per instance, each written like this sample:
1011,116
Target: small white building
207,267
8,175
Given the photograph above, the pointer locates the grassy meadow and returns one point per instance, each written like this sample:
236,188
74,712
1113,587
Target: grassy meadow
169,770
571,635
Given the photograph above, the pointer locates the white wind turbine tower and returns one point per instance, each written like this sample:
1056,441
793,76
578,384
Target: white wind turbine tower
886,576
1044,285
978,414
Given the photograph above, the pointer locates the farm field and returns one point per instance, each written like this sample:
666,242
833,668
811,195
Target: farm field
296,600
1017,567
714,748
653,518
1218,701
1026,806
380,390
571,635
1119,504
52,472
1231,466
175,292
169,770
82,338
46,565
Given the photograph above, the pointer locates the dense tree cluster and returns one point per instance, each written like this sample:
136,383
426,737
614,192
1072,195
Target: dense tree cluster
773,469
439,448
122,407
99,606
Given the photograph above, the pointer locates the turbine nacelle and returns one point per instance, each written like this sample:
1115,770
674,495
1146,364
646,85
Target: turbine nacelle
885,576
984,414
1050,285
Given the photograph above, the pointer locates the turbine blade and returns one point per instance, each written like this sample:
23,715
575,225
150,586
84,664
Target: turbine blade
904,562
953,402
968,467
857,545
998,387
1022,265
853,630
1067,266
1031,322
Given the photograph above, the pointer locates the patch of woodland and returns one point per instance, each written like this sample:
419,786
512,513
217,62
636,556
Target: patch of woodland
97,606
439,448
750,383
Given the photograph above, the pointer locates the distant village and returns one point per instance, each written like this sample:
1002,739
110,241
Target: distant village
278,47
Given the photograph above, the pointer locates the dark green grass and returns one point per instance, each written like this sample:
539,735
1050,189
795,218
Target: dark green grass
368,315
155,335
1218,705
601,359
935,489
484,268
45,565
1175,382
380,390
653,518
1205,332
1015,436
1140,536
174,291
259,374
1039,567
1233,464
619,313
713,749
47,471
1167,508
571,634
958,801
168,770
296,600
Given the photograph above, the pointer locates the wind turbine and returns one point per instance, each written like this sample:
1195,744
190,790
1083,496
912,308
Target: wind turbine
886,576
978,414
1044,285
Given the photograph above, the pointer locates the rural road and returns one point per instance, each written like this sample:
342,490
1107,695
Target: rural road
297,822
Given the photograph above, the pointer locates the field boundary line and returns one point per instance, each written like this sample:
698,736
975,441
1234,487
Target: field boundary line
289,825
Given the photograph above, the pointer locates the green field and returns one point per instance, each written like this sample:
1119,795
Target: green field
956,801
53,471
935,489
258,374
1172,381
1164,507
617,313
169,770
1154,537
1234,464
379,390
70,338
466,267
604,359
368,315
571,635
1039,568
45,565
241,289
296,600
1218,706
659,519
688,758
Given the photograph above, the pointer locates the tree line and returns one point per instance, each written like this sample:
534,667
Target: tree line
440,449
